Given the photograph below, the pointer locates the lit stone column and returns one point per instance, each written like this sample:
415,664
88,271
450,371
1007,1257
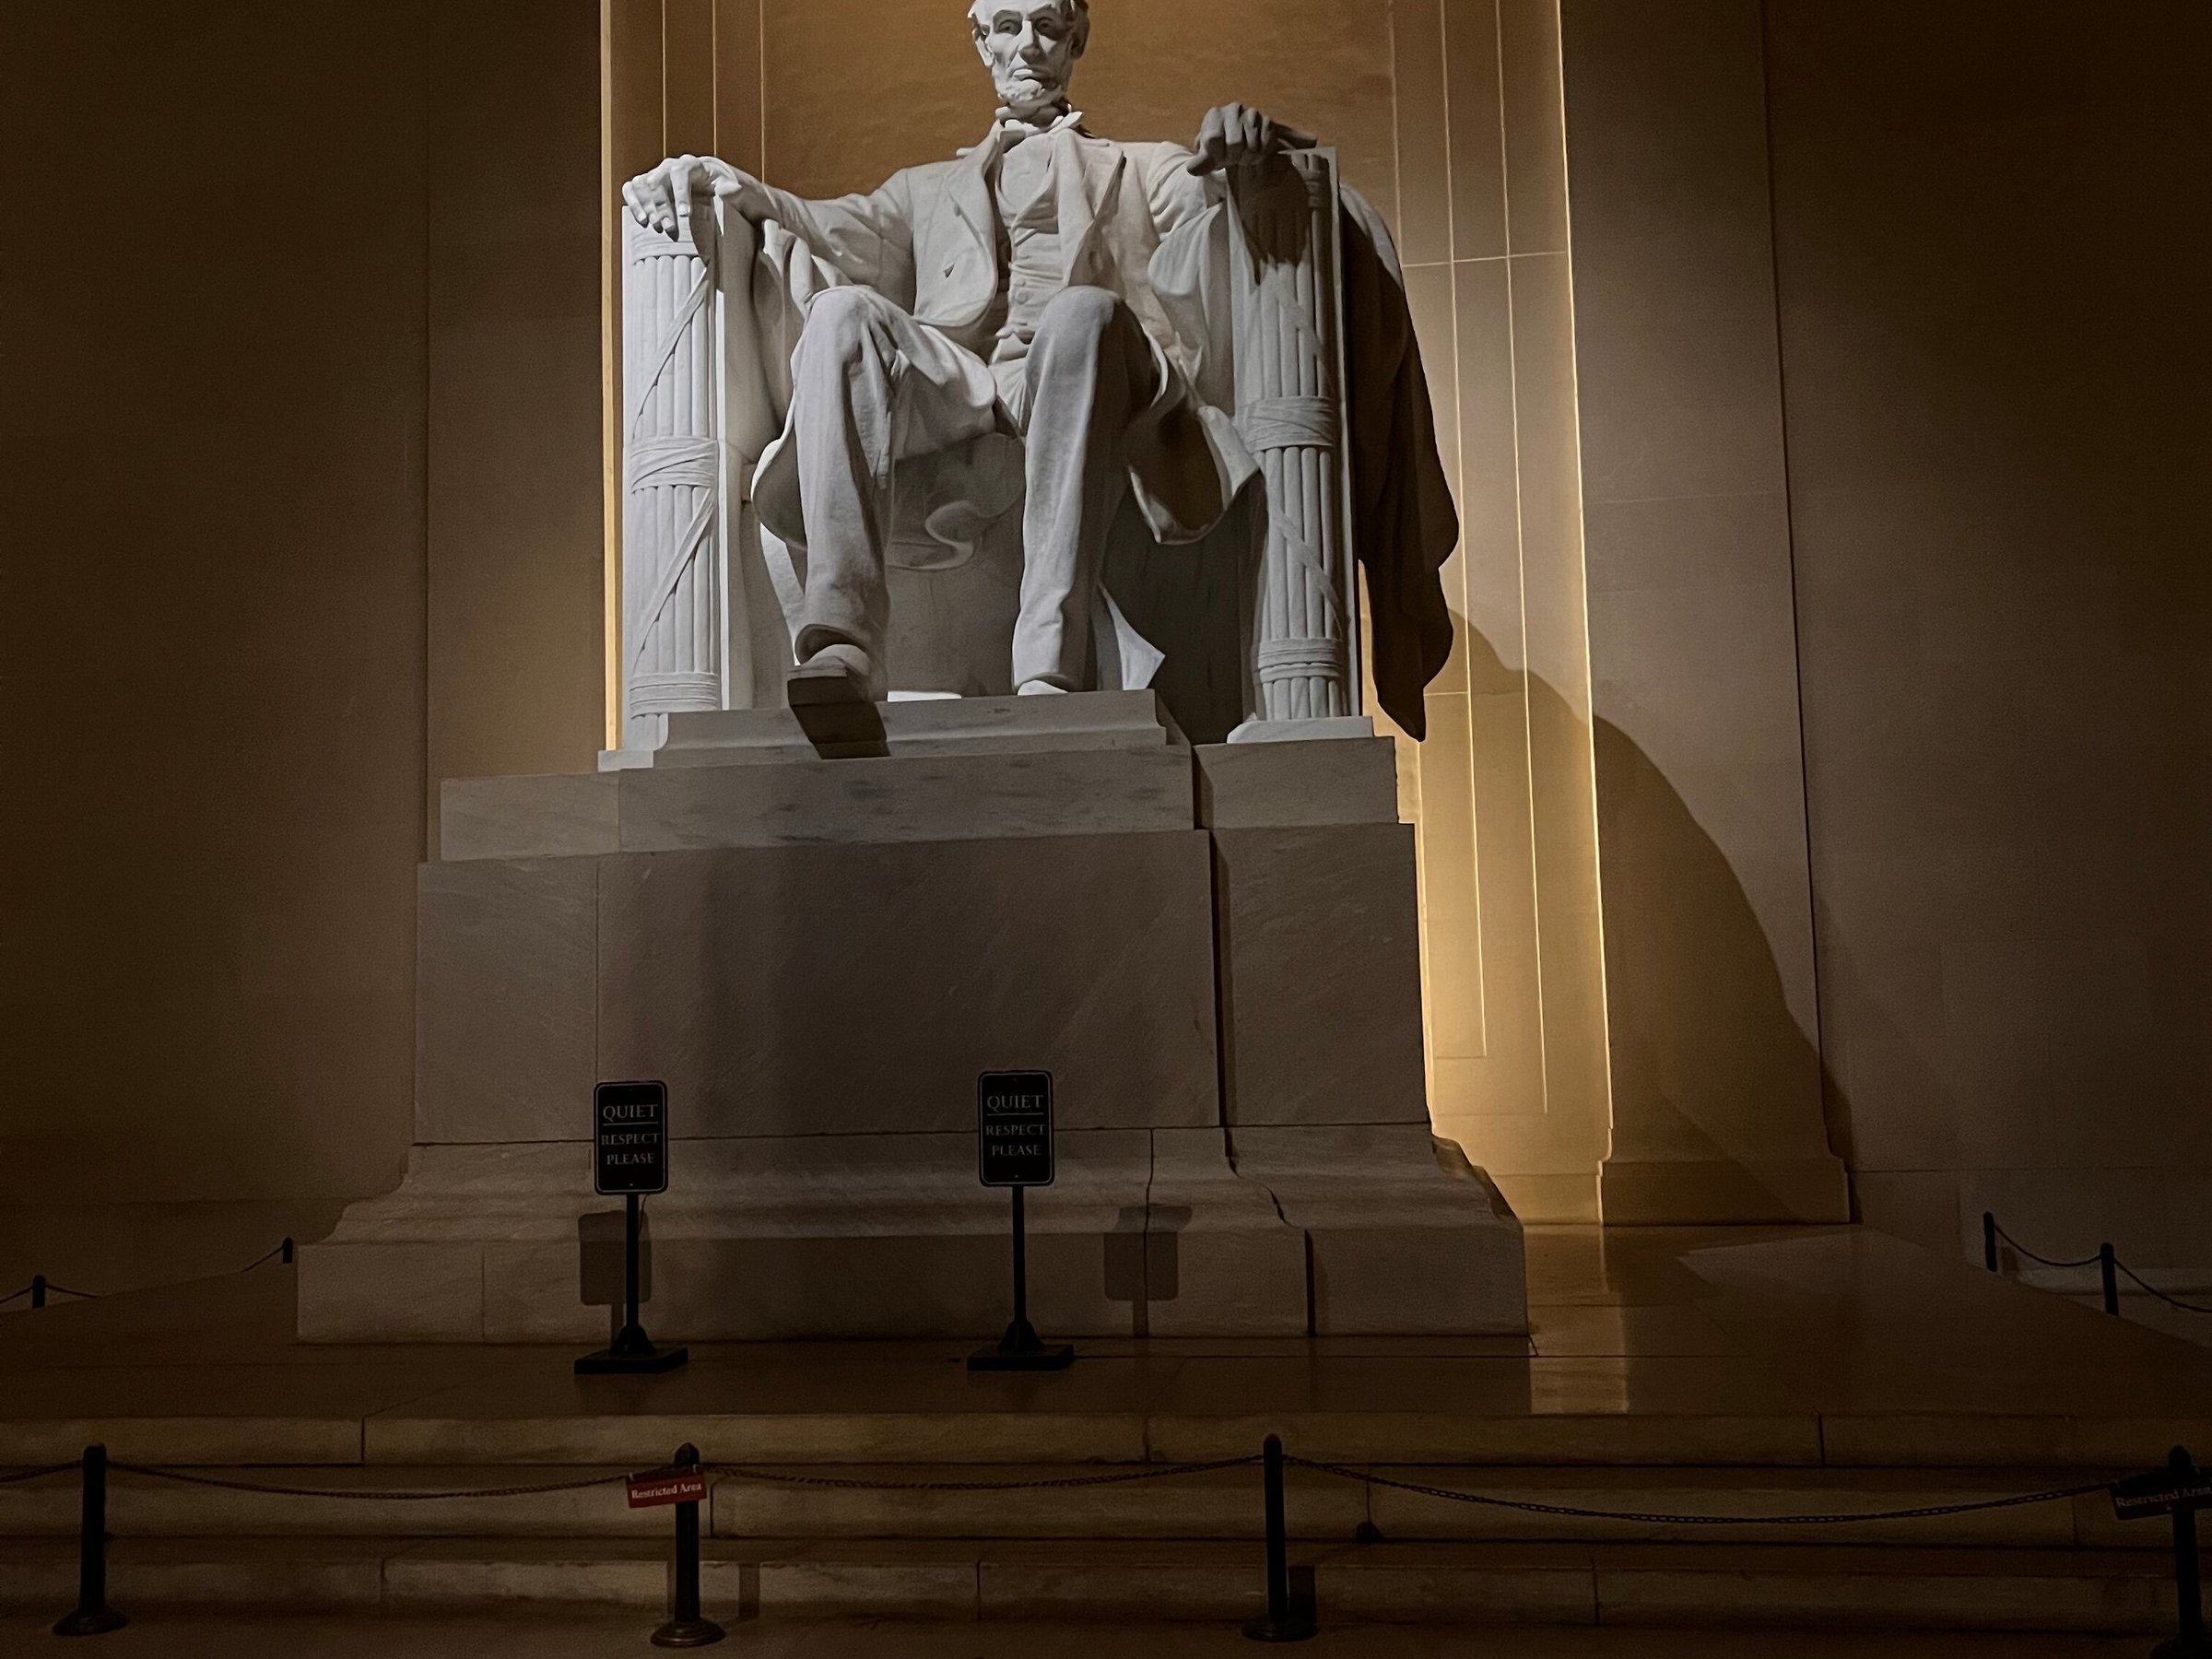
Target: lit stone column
1290,409
674,619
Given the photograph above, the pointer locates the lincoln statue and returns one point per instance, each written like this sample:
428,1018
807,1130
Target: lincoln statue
1047,289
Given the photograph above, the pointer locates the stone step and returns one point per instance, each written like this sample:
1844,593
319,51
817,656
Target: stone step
835,1502
496,1422
1773,1586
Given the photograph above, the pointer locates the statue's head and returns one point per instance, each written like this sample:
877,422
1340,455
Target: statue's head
1031,48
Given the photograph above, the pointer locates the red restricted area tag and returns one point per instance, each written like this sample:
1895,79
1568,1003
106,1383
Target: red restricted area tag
661,1486
2161,1492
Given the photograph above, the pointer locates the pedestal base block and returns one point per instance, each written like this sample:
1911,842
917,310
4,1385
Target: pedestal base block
1406,1237
818,955
845,1236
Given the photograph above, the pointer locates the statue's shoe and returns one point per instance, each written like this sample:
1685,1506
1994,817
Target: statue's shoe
834,674
1038,687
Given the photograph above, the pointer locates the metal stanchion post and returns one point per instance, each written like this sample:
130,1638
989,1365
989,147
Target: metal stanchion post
1285,1621
37,1290
1989,1241
2107,1269
1021,1350
285,1252
2188,1585
686,1626
93,1616
632,1352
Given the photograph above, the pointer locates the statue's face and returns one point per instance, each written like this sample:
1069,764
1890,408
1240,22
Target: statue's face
1031,48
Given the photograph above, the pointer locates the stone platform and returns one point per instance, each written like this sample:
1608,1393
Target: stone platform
1744,1371
819,938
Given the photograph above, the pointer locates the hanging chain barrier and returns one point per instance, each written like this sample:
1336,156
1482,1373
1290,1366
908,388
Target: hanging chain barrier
194,1477
365,1494
1997,1231
1659,1518
1054,1483
2172,1301
2110,1268
40,1287
1151,1471
687,1484
19,1477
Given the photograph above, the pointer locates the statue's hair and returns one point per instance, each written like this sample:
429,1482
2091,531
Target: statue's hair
1077,9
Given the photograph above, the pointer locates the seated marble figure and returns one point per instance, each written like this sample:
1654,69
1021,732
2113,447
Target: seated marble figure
1050,315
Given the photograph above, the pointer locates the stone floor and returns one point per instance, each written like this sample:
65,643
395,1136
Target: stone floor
1833,1345
484,1639
1780,1371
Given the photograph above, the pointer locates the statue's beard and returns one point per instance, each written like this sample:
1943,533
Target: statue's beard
1025,91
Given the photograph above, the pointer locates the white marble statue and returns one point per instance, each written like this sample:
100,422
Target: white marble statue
1057,320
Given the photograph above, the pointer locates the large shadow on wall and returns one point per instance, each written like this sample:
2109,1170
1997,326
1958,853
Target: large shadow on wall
1707,1055
1708,1062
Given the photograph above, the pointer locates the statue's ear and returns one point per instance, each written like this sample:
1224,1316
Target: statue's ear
983,51
1082,41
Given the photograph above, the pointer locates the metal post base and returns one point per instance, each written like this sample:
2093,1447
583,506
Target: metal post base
609,1362
94,1621
1293,1627
632,1354
688,1634
1021,1350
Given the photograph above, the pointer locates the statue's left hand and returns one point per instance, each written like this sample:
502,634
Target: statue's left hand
1236,136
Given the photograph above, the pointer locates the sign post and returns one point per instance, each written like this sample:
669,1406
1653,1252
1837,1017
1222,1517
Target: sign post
629,1160
2179,1490
683,1486
1013,1149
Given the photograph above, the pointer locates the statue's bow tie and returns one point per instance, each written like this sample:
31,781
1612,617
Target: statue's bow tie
1012,131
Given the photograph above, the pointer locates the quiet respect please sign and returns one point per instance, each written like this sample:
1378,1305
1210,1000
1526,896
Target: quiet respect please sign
1013,1129
630,1139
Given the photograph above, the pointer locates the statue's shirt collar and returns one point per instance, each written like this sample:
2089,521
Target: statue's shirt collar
1011,132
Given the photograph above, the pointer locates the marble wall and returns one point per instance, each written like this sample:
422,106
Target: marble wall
1892,367
517,616
1701,784
1992,227
1505,805
299,508
1447,113
212,501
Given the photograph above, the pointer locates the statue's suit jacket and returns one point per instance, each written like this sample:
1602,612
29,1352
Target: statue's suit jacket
1133,220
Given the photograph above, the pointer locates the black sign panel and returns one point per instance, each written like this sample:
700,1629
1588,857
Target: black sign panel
1013,1129
629,1136
2161,1492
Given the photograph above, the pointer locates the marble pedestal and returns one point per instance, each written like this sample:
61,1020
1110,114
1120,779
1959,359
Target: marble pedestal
1215,950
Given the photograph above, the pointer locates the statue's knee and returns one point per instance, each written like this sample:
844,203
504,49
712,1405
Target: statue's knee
840,324
1081,318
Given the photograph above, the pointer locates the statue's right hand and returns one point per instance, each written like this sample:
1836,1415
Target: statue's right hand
662,199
